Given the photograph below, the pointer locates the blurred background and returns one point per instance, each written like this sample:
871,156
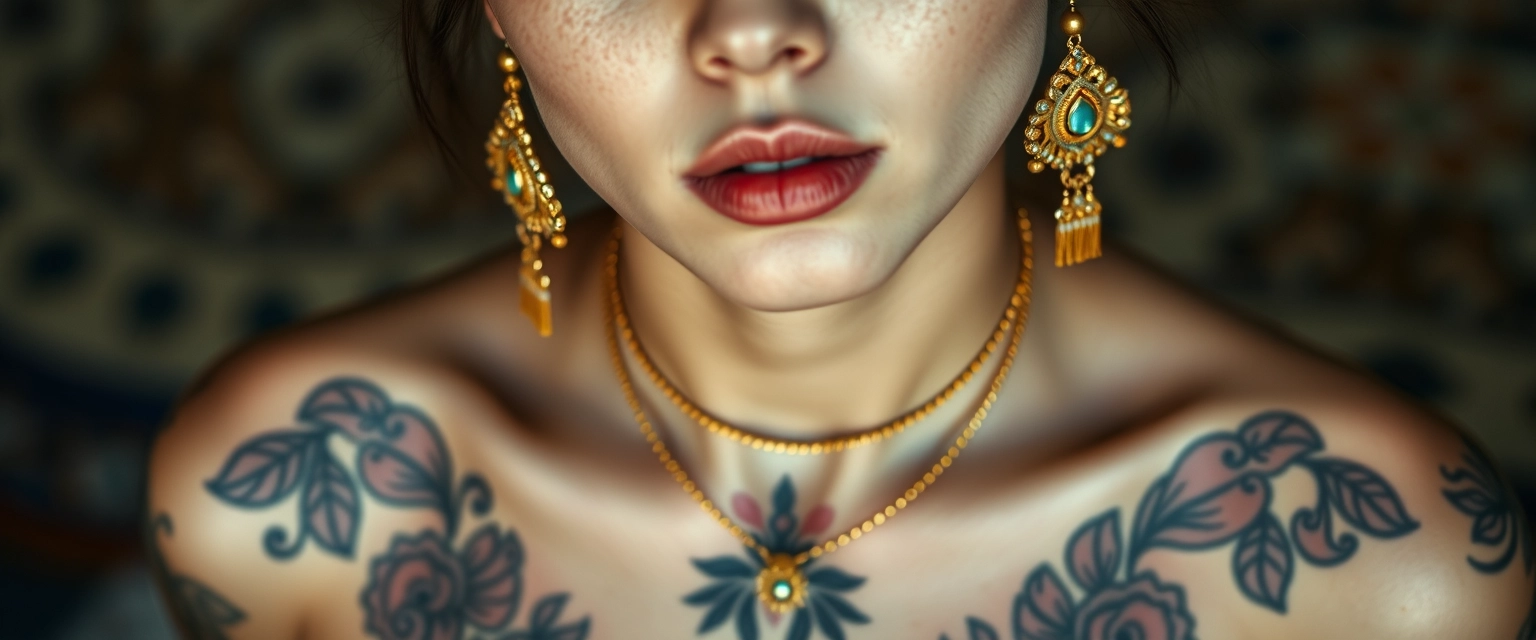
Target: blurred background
178,176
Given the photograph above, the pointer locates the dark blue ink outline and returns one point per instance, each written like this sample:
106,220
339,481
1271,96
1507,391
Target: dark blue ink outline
1339,486
1487,499
734,577
380,422
196,608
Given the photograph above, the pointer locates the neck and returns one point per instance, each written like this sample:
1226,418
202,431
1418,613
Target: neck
815,374
818,373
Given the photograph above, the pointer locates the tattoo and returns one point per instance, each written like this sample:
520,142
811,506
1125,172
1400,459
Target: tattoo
1475,490
197,609
1218,492
733,594
427,585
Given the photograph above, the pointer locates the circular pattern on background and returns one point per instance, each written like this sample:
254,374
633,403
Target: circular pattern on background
175,177
178,175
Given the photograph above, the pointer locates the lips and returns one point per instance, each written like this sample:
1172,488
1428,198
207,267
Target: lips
785,173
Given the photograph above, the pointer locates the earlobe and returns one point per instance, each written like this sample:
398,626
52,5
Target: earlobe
490,17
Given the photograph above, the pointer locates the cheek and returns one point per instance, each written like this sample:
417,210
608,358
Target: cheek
599,71
952,77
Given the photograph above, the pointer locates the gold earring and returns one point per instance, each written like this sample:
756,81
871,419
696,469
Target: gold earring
524,187
1083,113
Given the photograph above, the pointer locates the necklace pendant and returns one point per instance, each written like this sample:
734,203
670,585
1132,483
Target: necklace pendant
780,585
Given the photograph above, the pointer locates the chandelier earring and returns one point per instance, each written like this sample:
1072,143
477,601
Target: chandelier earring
1084,113
518,176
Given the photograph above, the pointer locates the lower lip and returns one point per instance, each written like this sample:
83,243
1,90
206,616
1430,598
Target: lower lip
790,195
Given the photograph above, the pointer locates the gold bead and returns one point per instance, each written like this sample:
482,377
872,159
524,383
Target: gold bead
1036,166
506,61
619,323
1072,22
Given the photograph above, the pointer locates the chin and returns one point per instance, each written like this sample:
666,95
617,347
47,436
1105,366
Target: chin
795,270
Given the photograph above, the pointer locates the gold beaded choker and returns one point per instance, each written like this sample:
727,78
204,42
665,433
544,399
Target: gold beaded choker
828,445
781,583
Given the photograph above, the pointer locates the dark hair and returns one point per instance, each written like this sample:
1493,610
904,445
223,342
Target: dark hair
437,38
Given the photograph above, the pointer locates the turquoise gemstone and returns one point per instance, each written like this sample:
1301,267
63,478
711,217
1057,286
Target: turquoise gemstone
1080,117
515,183
782,591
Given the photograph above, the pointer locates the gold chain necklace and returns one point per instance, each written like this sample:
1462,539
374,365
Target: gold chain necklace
828,445
781,584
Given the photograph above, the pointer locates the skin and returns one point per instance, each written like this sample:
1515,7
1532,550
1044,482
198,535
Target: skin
808,330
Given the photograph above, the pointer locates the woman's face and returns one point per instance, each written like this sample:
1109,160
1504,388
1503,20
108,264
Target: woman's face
677,111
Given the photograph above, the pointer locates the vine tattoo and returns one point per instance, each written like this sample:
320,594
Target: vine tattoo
1217,493
733,593
197,609
1474,489
429,585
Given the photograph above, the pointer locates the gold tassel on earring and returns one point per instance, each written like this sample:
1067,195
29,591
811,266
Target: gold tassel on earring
1083,113
524,187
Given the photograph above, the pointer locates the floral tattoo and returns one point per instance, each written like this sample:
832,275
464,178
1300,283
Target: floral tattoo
427,586
1217,493
1474,489
198,610
734,595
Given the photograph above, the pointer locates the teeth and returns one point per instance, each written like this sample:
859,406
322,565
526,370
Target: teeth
768,167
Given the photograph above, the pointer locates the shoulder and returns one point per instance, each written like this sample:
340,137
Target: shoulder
256,491
302,461
1341,513
1454,556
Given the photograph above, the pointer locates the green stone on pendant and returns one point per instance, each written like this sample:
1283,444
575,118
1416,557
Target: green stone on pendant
515,183
1081,117
782,590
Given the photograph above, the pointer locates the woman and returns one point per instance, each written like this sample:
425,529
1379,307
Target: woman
812,238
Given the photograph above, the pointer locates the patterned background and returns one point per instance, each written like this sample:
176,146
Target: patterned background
179,175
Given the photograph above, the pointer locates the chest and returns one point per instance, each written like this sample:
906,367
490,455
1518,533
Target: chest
536,542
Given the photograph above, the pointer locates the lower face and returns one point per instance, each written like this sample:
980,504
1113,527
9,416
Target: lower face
928,88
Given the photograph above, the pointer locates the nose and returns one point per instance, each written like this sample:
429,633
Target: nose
734,38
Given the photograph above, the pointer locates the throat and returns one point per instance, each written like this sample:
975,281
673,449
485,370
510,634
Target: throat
876,364
724,455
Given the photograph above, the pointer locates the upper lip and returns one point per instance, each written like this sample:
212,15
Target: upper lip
783,141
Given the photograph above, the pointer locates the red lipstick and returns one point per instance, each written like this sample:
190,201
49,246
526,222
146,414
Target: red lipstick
785,173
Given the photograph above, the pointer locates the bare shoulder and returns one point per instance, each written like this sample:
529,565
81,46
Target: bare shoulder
256,493
1291,519
305,464
1291,497
1369,519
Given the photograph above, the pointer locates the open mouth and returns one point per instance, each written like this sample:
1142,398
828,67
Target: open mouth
790,172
